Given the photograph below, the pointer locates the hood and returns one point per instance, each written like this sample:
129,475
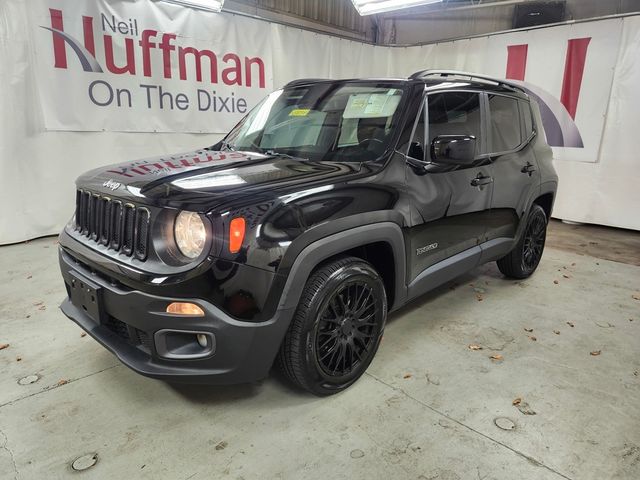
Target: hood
203,178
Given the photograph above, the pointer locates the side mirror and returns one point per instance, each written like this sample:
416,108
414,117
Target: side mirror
453,149
416,151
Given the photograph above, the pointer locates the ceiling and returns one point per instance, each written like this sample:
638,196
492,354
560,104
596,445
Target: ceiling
426,24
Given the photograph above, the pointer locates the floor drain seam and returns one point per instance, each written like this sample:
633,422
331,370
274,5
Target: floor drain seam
54,386
8,450
458,422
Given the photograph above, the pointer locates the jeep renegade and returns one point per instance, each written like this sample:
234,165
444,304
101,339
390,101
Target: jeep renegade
329,205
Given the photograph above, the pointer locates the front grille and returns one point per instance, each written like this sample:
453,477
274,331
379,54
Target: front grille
132,335
122,227
143,339
119,328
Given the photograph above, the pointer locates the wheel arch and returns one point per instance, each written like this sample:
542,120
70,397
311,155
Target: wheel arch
372,242
545,200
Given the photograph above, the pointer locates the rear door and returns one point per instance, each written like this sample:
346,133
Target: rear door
513,164
449,205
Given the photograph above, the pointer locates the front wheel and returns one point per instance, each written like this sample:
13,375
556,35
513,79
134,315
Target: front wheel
523,260
337,327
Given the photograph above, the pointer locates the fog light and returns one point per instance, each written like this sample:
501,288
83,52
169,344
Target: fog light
202,340
184,308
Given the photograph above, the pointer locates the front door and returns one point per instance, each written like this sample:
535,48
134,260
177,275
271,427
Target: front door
449,204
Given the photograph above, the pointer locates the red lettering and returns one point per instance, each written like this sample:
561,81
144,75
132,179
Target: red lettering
516,61
575,61
59,51
146,45
232,71
573,72
248,62
167,48
236,70
130,67
197,55
87,28
120,172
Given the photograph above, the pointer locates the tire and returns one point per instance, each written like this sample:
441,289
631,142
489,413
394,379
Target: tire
523,260
337,327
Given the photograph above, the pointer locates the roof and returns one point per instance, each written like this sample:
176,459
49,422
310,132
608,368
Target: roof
433,78
439,76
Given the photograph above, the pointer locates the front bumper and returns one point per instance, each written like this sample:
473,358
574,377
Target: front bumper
129,321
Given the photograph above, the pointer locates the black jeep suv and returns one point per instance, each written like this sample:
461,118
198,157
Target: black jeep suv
329,205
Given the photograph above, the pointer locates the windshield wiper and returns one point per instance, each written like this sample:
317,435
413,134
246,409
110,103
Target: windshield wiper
222,145
226,145
273,153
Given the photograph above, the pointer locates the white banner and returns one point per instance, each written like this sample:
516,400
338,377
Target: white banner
146,67
38,167
574,66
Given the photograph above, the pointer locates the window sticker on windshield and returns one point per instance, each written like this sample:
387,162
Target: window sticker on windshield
299,112
371,105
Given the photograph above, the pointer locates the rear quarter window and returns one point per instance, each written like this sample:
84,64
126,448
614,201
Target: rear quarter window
527,118
505,123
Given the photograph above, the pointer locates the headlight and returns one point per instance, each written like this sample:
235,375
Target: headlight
190,234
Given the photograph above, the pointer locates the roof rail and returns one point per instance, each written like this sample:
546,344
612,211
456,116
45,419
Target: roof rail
453,73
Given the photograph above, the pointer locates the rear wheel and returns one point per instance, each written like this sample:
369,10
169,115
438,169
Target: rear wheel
337,327
523,260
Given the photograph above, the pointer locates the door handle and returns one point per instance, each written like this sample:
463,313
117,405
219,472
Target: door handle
481,180
528,168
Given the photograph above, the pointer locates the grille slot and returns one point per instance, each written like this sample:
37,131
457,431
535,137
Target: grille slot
93,216
129,226
84,212
105,220
116,225
142,233
121,227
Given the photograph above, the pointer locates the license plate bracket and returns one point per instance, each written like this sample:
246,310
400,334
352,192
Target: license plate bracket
87,296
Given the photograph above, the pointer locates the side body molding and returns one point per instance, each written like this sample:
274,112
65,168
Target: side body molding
331,245
443,271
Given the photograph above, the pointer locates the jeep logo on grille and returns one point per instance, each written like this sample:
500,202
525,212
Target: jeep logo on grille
110,184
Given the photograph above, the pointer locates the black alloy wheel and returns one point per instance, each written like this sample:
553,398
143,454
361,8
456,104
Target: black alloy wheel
533,245
523,260
337,327
345,333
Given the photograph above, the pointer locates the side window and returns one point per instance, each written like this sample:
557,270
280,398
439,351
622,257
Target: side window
454,113
527,118
505,123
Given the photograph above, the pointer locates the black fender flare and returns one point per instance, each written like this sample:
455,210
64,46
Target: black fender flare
543,189
319,250
550,186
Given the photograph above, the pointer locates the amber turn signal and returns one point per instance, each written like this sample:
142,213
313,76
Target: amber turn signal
236,234
184,308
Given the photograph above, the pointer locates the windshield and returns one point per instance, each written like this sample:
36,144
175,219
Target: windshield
328,121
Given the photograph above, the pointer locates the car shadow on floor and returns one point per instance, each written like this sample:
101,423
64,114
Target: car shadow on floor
290,394
488,270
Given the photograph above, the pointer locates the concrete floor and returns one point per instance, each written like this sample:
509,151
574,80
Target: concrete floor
425,409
